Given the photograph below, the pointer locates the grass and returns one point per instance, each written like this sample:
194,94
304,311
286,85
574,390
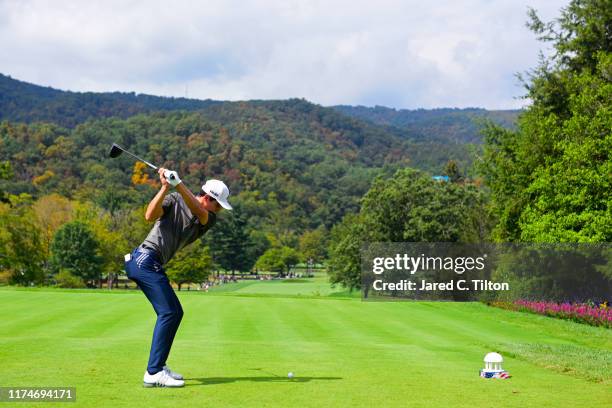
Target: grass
317,286
237,343
584,362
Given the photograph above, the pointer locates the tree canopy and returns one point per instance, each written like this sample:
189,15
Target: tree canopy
551,178
409,207
75,248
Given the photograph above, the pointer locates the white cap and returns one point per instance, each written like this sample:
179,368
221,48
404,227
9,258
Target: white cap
219,191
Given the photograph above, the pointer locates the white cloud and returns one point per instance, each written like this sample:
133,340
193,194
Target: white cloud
406,54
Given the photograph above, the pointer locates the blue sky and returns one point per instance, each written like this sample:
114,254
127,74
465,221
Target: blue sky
402,54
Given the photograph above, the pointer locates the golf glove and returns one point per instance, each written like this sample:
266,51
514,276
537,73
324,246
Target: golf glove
172,177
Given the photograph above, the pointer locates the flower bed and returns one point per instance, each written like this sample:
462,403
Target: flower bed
596,315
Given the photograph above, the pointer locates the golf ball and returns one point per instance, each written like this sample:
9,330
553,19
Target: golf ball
290,375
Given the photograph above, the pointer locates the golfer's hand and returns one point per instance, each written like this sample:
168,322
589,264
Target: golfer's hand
172,178
162,177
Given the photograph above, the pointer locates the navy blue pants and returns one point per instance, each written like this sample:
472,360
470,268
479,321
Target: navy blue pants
146,270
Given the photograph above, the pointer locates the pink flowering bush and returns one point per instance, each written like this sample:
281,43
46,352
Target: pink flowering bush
596,315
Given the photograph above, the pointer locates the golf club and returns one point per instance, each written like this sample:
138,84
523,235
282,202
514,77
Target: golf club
116,151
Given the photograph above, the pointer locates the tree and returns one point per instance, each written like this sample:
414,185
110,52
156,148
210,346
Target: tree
259,244
111,242
75,248
191,264
230,243
550,178
21,246
412,207
131,225
279,260
140,176
409,207
313,244
344,265
65,279
290,257
270,261
569,197
578,35
51,212
6,173
451,169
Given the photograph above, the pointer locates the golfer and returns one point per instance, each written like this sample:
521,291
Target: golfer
180,218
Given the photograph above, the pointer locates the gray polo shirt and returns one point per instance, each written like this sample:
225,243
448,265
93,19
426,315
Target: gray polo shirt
177,228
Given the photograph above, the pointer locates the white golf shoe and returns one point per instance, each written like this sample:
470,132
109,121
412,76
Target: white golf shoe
172,374
161,379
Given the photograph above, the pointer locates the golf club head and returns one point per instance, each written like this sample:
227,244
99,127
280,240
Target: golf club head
115,150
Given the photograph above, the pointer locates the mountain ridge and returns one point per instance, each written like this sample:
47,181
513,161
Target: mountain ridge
26,102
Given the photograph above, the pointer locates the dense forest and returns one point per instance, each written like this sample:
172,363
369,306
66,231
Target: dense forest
456,126
295,168
24,102
305,165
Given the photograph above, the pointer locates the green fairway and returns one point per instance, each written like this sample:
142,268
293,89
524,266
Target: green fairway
316,286
237,344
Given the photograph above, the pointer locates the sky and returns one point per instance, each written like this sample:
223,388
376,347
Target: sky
401,54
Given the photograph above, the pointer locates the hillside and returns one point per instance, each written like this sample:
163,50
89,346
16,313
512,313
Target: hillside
291,163
24,102
455,126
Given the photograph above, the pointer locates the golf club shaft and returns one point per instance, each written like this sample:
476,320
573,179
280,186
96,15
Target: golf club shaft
116,150
142,160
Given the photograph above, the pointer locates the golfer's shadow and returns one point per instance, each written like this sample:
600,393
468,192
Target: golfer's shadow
272,378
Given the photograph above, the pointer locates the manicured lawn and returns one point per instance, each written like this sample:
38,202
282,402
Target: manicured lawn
317,286
235,347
